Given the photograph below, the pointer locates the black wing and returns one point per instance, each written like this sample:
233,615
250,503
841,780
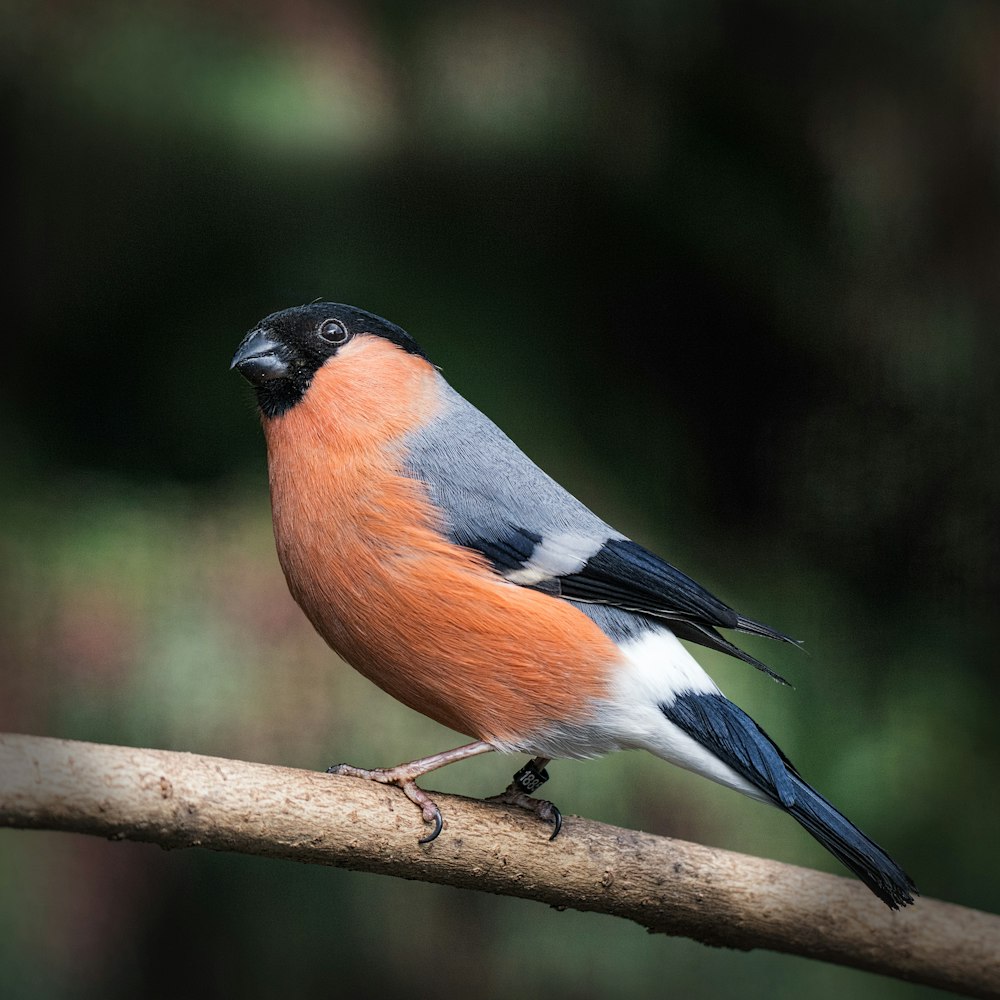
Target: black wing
494,500
628,576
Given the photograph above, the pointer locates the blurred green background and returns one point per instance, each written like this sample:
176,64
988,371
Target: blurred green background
726,268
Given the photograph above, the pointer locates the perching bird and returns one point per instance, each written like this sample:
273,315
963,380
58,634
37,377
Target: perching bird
444,565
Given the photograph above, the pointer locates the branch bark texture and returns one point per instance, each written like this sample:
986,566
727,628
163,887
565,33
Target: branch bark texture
668,886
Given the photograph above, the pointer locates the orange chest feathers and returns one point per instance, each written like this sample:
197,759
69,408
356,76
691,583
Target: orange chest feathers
362,550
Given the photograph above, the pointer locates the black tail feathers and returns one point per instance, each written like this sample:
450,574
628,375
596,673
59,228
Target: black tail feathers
848,844
729,733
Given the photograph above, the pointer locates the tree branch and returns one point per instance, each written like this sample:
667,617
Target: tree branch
668,886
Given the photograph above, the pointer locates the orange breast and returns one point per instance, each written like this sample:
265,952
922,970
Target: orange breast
362,550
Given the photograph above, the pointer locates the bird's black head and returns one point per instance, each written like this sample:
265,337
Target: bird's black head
282,353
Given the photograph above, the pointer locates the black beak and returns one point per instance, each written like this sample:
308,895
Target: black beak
259,358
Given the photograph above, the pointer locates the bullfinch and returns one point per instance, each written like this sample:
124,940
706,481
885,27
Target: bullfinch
437,559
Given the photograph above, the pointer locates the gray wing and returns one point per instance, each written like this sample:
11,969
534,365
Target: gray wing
496,501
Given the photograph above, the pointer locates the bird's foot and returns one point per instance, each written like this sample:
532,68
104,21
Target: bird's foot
518,793
402,777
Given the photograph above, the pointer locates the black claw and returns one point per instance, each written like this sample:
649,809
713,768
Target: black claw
438,826
556,822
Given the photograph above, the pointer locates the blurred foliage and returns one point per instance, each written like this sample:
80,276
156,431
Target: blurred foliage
727,269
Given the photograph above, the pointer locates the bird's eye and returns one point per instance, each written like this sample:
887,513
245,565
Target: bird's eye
333,332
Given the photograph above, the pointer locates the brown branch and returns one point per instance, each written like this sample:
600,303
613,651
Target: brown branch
669,886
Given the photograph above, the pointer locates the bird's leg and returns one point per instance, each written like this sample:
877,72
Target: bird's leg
404,776
530,778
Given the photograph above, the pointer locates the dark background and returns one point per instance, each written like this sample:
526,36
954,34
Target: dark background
727,269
